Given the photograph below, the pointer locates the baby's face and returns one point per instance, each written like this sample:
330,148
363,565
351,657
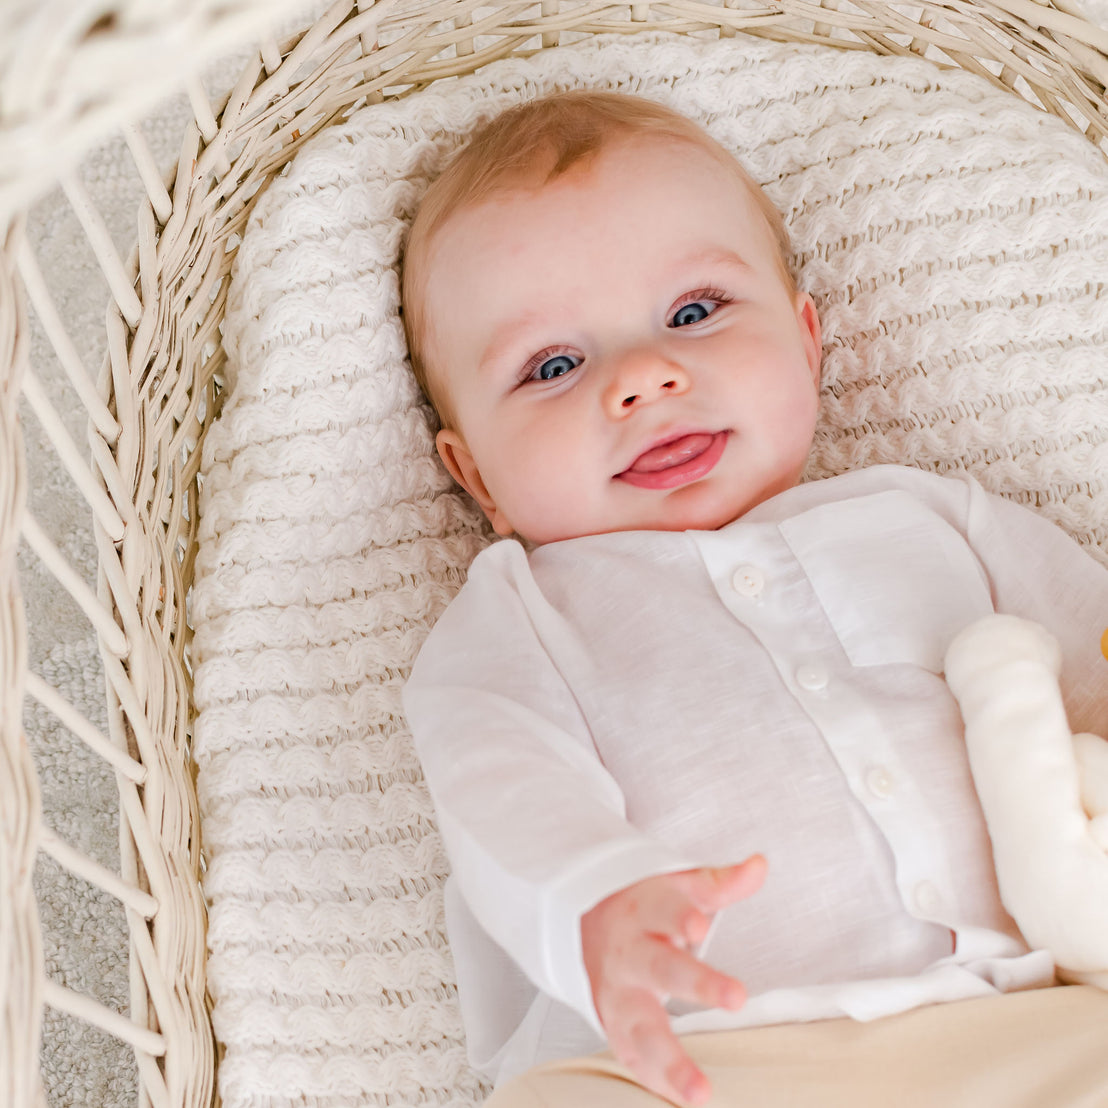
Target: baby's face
620,349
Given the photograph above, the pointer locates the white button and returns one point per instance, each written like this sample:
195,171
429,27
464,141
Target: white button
812,677
748,581
928,899
880,782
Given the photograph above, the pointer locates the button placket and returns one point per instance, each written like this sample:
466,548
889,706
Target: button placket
807,655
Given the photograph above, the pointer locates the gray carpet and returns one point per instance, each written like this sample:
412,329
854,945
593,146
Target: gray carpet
84,929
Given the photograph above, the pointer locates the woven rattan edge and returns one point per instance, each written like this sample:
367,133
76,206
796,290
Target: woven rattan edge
163,384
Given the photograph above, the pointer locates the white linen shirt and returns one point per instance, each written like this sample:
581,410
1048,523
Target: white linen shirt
621,705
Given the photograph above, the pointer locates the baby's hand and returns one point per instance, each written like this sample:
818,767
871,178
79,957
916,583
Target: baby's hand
636,949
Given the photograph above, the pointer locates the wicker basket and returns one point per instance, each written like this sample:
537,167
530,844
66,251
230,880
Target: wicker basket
160,388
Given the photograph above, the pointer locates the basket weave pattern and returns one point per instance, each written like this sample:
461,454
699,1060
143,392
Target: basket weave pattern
160,389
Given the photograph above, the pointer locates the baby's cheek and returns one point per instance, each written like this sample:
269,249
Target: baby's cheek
799,417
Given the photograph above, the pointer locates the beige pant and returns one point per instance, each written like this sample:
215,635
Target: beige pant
1046,1048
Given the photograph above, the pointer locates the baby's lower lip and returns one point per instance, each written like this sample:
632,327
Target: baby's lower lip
695,456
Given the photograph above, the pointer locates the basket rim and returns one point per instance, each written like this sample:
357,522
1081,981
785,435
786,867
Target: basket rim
160,385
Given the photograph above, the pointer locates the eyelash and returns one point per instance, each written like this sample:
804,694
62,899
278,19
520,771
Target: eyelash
708,293
536,360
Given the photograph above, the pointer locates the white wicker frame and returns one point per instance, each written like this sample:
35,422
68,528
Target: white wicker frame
63,83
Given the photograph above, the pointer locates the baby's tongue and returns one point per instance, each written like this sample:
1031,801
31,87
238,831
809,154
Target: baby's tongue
671,454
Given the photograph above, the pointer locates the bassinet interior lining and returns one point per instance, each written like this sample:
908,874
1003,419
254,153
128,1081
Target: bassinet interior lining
955,241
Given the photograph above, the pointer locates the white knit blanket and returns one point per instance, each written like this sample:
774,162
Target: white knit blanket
956,242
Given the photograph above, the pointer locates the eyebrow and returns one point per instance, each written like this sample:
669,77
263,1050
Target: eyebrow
713,255
505,335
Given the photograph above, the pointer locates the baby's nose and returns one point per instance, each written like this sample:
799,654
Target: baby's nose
641,377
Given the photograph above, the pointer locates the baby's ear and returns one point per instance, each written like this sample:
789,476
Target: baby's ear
811,332
461,465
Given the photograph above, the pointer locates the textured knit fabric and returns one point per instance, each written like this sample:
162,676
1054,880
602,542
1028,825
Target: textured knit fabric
955,241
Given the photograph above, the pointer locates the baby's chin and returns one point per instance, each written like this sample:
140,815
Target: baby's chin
690,513
687,521
701,506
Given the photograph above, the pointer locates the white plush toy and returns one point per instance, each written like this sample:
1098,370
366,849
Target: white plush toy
1044,791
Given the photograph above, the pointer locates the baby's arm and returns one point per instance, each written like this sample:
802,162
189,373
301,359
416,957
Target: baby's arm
636,946
534,824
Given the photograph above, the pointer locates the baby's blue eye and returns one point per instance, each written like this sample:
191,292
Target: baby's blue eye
693,312
558,366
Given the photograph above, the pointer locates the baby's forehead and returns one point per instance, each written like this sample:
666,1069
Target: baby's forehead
585,175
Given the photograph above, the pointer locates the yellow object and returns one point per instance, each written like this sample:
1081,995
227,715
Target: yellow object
1104,644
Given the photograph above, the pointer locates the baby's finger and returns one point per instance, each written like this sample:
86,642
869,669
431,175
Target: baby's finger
641,1038
711,889
668,971
659,905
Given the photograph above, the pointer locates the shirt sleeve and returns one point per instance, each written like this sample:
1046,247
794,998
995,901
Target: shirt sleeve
533,824
1037,571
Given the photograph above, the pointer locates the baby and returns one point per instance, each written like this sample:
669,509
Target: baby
693,758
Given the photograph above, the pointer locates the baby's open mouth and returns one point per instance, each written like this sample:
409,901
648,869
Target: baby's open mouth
677,461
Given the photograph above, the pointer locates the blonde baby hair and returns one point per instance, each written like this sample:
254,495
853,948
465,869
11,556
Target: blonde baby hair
532,144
